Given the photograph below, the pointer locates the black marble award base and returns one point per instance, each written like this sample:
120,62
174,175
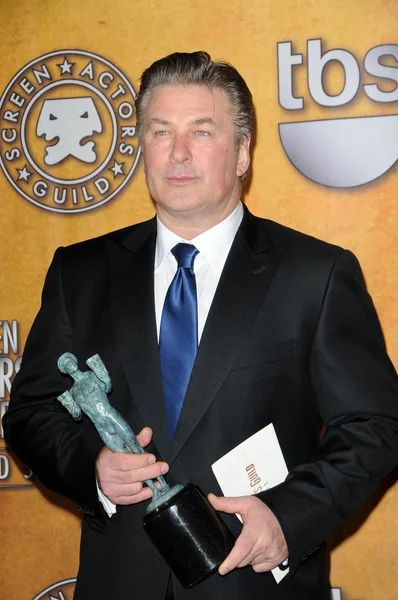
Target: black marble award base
189,534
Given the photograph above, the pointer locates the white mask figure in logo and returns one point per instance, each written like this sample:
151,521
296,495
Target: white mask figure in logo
70,120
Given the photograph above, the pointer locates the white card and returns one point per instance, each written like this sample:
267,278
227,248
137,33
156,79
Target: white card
254,466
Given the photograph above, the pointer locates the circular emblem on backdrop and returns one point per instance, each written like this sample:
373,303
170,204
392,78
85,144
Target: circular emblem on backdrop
63,590
68,138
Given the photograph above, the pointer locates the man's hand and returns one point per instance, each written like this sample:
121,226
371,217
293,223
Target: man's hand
261,543
120,475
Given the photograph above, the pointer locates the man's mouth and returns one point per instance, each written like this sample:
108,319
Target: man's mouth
181,179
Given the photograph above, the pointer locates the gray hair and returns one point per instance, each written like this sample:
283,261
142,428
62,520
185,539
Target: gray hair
197,68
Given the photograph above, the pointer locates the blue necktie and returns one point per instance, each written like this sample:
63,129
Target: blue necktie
178,340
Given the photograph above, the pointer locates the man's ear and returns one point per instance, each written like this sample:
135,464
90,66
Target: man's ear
243,157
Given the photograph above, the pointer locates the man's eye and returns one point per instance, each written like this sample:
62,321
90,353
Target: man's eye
200,132
161,133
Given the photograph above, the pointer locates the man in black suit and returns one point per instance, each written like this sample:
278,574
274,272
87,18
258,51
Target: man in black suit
288,335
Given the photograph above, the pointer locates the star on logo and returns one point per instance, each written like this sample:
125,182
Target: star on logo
117,169
66,67
24,174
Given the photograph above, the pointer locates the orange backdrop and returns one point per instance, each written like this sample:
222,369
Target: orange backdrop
39,533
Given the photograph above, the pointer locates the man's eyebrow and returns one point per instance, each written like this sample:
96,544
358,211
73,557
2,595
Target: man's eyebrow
158,121
203,121
199,121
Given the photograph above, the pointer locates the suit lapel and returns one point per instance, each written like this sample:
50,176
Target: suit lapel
246,277
133,312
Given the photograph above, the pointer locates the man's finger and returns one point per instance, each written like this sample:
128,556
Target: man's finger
149,472
263,567
144,494
119,461
228,505
139,470
240,555
145,436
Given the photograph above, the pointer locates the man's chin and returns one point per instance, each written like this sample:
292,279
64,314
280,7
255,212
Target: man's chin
180,202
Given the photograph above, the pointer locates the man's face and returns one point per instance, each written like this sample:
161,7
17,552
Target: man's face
191,164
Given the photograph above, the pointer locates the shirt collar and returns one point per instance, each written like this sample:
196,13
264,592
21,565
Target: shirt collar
165,241
214,244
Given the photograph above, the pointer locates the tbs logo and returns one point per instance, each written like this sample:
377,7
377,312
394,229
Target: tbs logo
339,152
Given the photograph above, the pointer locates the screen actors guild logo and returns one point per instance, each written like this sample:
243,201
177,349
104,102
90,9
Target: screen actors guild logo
63,590
68,138
340,152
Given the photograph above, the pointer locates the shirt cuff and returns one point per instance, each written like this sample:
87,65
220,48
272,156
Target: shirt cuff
108,505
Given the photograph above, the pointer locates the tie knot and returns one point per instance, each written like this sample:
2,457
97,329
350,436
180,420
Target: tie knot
185,255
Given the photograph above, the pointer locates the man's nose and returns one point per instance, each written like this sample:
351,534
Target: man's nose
180,150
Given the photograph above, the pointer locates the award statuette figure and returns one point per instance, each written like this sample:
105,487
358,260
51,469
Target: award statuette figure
180,521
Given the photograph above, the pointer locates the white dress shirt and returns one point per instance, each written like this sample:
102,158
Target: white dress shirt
214,246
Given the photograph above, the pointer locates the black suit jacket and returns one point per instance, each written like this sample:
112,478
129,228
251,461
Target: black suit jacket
292,338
